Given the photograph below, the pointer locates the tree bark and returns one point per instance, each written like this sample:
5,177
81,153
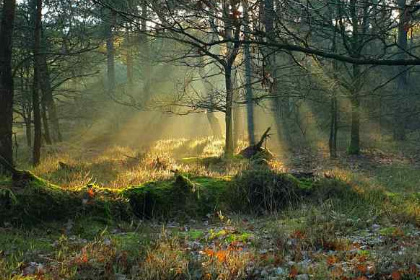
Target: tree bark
402,81
28,130
144,44
354,147
237,113
47,95
45,124
6,81
333,127
270,74
36,155
332,143
229,111
248,79
130,65
110,52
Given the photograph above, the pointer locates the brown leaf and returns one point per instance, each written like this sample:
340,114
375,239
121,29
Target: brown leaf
293,272
396,275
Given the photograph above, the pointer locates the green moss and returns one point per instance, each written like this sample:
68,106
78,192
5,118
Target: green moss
196,234
34,200
260,190
179,197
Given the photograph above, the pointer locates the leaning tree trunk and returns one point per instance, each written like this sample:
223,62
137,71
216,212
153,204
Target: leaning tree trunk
6,81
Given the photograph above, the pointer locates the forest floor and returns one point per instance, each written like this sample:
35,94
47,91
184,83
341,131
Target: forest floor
329,239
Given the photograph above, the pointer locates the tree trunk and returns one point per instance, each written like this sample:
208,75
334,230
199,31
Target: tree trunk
28,130
36,156
147,72
130,65
332,143
228,114
208,87
402,80
354,148
214,125
46,126
333,127
6,81
248,79
110,53
249,96
47,95
237,112
36,152
270,74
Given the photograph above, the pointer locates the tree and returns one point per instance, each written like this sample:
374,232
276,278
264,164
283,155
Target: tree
6,80
37,19
364,31
248,77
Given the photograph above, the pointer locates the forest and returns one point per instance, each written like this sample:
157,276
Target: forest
210,139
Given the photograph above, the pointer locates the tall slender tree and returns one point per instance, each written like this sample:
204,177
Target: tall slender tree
37,19
6,80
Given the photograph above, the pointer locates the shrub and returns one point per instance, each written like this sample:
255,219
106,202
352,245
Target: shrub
260,190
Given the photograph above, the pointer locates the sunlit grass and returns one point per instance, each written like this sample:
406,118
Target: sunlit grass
121,167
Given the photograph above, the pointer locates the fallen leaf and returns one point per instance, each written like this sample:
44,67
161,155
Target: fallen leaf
293,272
362,268
396,275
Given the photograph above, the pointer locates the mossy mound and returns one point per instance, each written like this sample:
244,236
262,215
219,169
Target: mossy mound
179,197
33,199
261,190
257,189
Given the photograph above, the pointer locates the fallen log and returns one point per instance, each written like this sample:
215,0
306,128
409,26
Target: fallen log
253,150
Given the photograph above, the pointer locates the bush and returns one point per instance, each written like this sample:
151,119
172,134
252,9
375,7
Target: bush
260,190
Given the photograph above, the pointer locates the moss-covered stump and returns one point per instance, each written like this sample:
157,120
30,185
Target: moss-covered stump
179,197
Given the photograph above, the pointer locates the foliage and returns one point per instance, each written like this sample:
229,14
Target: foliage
262,190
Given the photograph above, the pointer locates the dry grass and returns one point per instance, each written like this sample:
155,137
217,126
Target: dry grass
119,167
